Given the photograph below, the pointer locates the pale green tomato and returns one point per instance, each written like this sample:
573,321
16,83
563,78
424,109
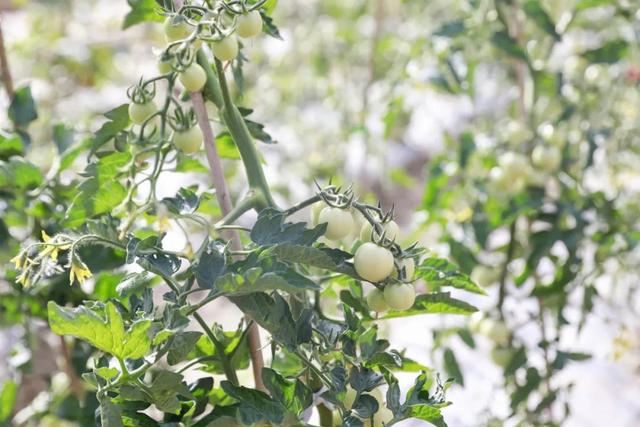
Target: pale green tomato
176,28
514,165
373,263
503,182
376,302
409,266
164,67
138,113
249,24
501,356
400,296
496,330
193,78
391,231
380,418
314,212
485,276
339,222
226,49
188,141
475,322
547,158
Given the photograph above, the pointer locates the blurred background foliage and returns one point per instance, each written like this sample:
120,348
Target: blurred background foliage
437,107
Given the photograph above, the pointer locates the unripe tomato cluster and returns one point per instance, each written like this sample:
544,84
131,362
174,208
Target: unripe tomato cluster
373,262
177,28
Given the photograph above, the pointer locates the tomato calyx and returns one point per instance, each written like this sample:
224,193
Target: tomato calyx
142,93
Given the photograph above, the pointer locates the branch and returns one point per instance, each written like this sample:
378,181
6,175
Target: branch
7,82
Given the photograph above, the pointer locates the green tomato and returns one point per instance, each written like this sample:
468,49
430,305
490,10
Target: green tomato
546,158
373,263
165,67
485,276
193,78
501,356
339,222
226,49
391,231
138,113
176,28
249,24
496,330
314,213
188,141
400,296
376,302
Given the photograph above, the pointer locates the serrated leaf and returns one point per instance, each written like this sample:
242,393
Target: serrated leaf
292,394
254,404
107,334
452,367
22,109
110,415
427,413
118,121
503,41
440,272
210,265
437,302
181,344
141,11
10,145
323,258
271,229
535,11
609,53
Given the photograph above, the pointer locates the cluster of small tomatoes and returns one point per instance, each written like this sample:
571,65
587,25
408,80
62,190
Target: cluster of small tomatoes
373,260
188,138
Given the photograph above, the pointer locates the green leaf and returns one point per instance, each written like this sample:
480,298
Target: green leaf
181,344
110,415
22,109
118,121
133,283
427,413
452,367
536,12
10,145
272,313
186,201
141,11
106,334
293,394
165,389
609,53
226,147
235,347
101,192
364,379
8,398
437,302
439,272
509,45
271,229
63,137
19,174
323,258
255,405
366,406
210,265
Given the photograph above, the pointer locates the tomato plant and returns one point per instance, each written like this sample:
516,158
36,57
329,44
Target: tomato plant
135,335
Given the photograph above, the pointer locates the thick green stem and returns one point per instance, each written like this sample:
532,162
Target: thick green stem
217,91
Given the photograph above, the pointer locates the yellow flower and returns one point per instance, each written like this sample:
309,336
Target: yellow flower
79,271
45,237
52,251
18,260
23,278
